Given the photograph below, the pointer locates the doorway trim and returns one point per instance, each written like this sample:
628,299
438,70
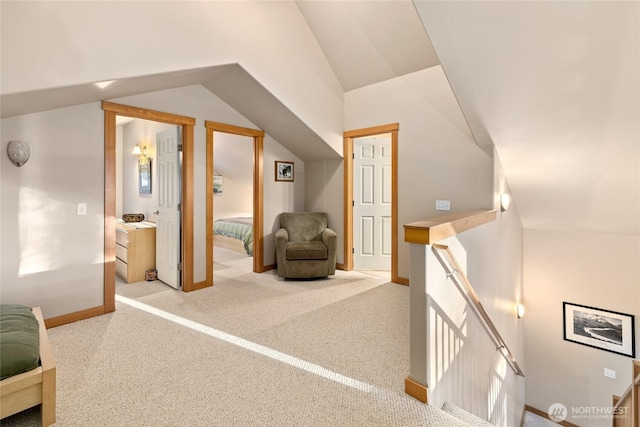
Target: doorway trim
349,136
111,110
258,189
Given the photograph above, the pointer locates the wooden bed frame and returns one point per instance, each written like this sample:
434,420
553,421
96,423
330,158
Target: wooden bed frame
35,387
229,243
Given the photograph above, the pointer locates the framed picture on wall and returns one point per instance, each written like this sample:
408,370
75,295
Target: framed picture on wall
284,171
598,328
217,184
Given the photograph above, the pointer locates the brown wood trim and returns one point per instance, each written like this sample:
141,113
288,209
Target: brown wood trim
109,271
258,203
111,110
339,266
401,281
394,206
348,203
376,130
349,136
143,113
187,207
209,200
75,316
258,190
545,415
435,229
416,390
236,130
270,267
201,285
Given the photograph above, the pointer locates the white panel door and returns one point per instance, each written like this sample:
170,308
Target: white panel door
169,197
372,203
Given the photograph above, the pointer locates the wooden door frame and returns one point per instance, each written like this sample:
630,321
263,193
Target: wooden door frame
111,110
349,136
258,189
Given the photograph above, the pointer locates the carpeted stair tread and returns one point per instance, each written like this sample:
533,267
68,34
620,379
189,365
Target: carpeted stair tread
465,416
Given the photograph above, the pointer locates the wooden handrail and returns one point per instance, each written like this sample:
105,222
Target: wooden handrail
435,229
454,272
629,400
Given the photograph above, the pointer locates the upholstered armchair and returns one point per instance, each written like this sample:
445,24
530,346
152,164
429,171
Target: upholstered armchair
305,246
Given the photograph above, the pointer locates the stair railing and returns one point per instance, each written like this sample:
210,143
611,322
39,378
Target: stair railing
626,410
454,272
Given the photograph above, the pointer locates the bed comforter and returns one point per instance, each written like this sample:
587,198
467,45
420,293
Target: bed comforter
240,228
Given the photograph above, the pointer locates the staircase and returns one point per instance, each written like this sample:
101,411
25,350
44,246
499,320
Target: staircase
462,417
626,407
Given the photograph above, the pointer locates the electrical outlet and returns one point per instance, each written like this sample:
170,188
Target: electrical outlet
610,373
443,205
81,209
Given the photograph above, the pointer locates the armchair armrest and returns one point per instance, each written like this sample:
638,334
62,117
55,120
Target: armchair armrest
330,239
282,238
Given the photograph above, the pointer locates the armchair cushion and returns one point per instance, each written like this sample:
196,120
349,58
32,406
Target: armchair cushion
314,249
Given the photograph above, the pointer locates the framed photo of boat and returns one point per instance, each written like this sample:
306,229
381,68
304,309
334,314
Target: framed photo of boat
603,329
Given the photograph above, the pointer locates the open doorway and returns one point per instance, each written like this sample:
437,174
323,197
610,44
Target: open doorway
111,110
235,135
391,193
232,201
148,201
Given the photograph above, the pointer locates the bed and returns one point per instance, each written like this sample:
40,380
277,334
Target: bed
35,386
235,234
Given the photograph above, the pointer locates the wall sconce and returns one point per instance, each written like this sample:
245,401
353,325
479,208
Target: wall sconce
19,152
137,151
505,201
520,310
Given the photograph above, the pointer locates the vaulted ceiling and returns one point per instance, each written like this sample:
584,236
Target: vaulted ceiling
553,85
556,87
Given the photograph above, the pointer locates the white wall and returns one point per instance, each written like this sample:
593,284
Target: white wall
51,257
324,192
437,157
592,269
82,42
233,160
279,196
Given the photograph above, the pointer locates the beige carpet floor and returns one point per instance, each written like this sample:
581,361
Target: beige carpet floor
253,350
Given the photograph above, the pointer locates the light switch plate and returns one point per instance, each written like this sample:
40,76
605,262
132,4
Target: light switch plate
81,209
610,373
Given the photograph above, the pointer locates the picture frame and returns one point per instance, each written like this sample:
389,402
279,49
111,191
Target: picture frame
217,184
144,176
284,171
598,328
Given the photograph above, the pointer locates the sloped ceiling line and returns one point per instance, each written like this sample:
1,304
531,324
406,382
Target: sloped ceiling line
230,82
